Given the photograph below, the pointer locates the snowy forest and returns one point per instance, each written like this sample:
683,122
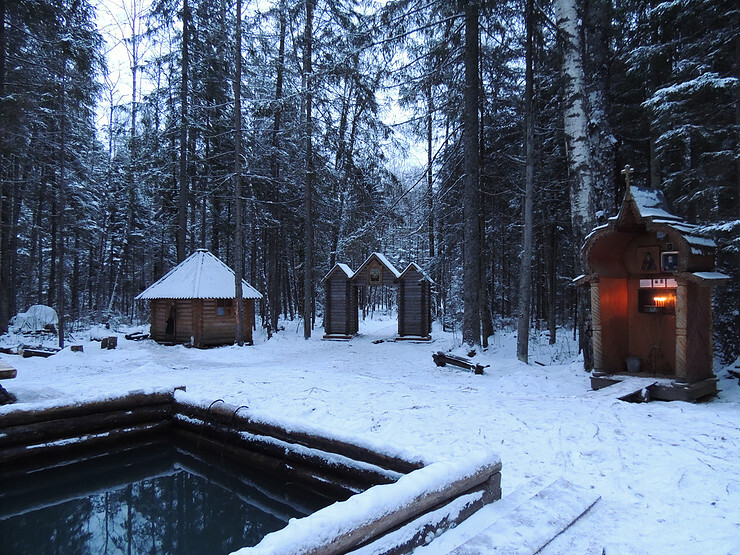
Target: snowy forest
481,140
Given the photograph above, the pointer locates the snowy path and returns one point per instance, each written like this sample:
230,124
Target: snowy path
666,472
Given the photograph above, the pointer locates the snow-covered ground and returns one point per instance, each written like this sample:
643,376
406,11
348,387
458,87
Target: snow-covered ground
667,473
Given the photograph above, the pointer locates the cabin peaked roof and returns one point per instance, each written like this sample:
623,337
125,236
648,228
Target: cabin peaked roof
415,266
384,261
344,268
200,276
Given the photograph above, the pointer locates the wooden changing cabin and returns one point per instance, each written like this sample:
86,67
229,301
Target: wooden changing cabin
650,275
195,303
414,297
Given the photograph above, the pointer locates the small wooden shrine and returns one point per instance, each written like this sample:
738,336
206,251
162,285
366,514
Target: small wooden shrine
651,274
195,303
414,292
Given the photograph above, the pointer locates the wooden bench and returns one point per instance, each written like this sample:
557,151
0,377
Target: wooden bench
443,359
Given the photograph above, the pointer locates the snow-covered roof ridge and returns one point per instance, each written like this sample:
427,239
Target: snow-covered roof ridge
383,260
650,203
201,275
415,266
343,267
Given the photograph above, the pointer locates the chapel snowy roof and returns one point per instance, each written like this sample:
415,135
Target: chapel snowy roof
651,207
200,276
344,268
415,266
384,261
650,203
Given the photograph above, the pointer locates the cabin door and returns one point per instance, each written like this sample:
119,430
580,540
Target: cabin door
170,323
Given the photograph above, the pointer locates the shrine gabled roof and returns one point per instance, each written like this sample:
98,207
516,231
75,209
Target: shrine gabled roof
651,208
650,203
344,268
200,276
644,212
415,266
384,261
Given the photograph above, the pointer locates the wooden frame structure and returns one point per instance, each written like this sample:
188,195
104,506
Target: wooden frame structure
650,276
414,290
195,303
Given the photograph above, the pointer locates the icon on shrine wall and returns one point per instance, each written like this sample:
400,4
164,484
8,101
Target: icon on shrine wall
648,260
374,274
669,261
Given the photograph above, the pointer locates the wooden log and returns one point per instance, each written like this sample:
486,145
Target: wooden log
132,401
417,532
103,440
228,415
311,478
360,476
136,336
77,348
376,524
109,342
74,426
443,359
26,352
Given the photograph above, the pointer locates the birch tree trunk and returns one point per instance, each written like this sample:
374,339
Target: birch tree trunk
576,118
589,140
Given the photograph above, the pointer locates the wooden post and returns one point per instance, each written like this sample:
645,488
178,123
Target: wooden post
682,309
596,326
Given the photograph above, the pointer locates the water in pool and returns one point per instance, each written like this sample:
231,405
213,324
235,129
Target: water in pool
154,499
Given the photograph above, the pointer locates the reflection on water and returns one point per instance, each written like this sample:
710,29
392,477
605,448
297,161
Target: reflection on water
146,500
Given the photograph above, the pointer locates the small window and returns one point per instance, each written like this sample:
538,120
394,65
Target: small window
224,307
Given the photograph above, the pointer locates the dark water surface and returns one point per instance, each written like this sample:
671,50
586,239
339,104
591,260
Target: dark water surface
151,499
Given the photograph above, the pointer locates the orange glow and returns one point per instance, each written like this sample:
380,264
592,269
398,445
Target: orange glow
664,300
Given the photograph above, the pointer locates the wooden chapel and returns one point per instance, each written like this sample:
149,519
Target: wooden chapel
651,275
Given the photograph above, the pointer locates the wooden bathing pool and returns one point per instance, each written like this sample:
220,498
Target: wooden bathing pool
331,495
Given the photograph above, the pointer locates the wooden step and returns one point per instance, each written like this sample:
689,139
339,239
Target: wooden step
527,525
624,389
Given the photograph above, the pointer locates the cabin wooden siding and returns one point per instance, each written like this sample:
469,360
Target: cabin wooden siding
340,314
414,305
183,320
197,321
